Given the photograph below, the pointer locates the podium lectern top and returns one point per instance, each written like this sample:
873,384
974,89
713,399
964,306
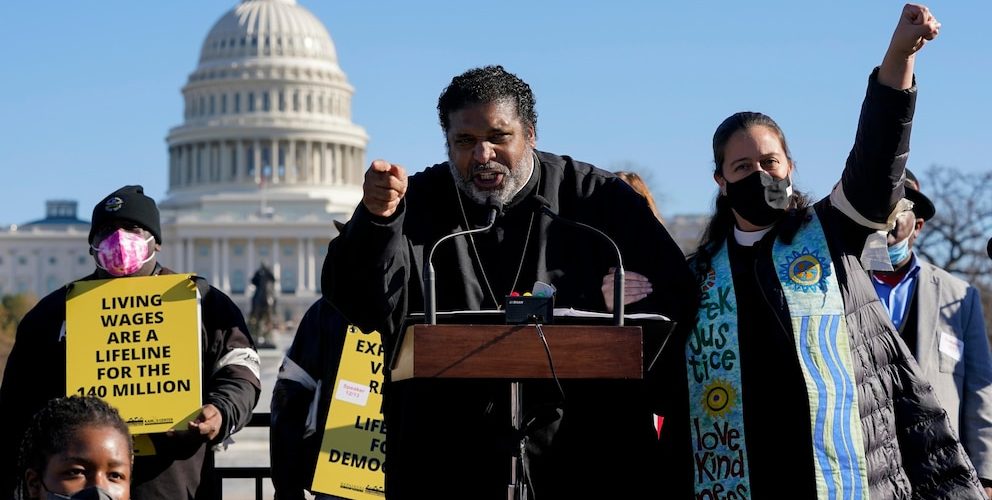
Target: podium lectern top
515,352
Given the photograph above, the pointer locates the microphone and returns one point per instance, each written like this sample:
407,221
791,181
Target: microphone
988,248
544,207
495,207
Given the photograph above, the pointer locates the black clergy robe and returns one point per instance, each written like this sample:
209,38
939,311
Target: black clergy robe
452,438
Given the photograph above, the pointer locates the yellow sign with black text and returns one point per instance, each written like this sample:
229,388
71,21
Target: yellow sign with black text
352,458
135,342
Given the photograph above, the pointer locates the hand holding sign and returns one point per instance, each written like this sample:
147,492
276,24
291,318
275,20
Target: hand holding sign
208,422
205,426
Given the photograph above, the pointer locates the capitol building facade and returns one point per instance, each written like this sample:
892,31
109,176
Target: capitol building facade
264,161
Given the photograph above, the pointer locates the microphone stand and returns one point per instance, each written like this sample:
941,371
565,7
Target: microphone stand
618,274
430,294
517,489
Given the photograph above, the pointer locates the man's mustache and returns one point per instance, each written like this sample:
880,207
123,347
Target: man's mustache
489,167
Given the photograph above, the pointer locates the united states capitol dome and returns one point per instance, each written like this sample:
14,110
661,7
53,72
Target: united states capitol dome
261,28
267,105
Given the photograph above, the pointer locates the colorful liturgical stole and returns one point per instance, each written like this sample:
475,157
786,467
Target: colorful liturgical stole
822,344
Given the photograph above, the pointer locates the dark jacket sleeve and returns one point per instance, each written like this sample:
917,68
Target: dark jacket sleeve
649,249
935,462
22,363
292,468
35,373
231,375
292,456
366,270
872,178
312,359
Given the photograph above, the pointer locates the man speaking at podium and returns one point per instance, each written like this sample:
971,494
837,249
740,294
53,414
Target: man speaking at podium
452,438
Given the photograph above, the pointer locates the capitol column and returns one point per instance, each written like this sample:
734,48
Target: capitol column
311,266
190,264
183,164
340,157
172,167
326,162
178,248
356,163
308,161
349,164
360,171
291,161
346,163
197,163
212,161
239,174
326,167
189,165
359,168
258,161
225,265
334,171
301,269
318,171
223,171
275,161
176,254
215,261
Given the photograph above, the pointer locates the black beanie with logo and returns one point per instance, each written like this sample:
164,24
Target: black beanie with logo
130,204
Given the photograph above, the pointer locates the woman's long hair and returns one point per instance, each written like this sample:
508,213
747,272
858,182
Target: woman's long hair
722,221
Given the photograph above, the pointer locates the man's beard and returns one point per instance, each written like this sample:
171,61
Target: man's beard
514,179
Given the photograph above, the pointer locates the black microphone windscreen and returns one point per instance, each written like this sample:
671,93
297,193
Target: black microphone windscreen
988,248
493,203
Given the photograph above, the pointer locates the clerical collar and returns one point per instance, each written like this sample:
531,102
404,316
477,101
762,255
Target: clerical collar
749,238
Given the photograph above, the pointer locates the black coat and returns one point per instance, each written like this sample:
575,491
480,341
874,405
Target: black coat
453,438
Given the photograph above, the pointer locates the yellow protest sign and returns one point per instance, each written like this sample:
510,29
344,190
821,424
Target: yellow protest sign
135,342
352,456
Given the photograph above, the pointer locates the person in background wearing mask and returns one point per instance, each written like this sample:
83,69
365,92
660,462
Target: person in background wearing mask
940,318
125,238
76,448
793,382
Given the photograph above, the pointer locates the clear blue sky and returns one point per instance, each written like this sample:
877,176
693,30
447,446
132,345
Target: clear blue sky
89,89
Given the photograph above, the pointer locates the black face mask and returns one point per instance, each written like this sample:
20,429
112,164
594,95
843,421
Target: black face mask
91,493
760,198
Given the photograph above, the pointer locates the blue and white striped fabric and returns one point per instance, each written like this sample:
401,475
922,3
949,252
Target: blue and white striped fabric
822,344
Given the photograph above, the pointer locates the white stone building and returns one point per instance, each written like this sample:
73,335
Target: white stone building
264,161
42,255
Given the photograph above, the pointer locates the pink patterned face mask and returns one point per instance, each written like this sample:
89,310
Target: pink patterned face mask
123,253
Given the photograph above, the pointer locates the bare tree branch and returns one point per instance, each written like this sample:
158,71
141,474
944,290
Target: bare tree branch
956,237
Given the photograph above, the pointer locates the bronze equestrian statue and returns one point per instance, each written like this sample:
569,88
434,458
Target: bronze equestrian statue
263,318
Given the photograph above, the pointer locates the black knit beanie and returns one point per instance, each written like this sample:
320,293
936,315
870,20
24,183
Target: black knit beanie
128,203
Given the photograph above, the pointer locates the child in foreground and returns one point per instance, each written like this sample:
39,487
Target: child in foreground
79,448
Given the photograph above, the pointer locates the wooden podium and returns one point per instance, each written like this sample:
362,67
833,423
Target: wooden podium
515,352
